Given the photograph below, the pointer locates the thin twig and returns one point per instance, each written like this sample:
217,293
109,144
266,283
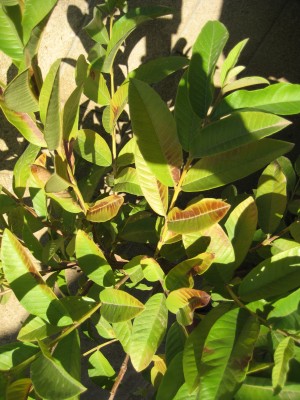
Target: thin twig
119,379
4,292
99,347
122,281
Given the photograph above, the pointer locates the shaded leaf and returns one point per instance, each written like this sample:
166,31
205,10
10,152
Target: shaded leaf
22,169
96,28
12,354
93,148
261,388
18,390
71,114
100,370
244,82
35,328
283,353
175,341
105,209
10,41
231,60
172,380
127,181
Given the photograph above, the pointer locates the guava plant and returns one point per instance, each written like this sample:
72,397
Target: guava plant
197,283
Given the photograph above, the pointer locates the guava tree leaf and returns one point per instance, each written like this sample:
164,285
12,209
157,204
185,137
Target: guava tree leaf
231,60
34,12
187,121
152,270
18,96
66,201
175,341
95,87
271,197
55,382
96,28
127,181
283,310
12,354
126,154
26,126
172,380
148,331
158,370
155,192
71,114
261,388
118,306
185,394
241,226
155,131
206,51
10,41
26,282
22,169
100,370
244,82
35,328
105,209
18,390
282,356
123,331
260,283
93,148
181,275
225,357
92,261
125,25
281,98
198,216
184,301
214,171
237,130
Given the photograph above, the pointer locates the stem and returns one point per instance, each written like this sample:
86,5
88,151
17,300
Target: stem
99,347
112,90
4,292
121,282
120,377
269,240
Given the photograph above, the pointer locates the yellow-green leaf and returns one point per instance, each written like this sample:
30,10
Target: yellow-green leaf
105,209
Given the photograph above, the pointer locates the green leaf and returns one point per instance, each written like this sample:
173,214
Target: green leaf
188,123
95,88
172,380
34,12
105,209
225,357
152,270
56,184
260,283
26,125
261,388
118,306
25,280
236,130
148,331
153,190
50,380
125,25
139,228
123,331
126,154
18,390
127,181
271,197
92,261
241,226
206,51
18,96
184,301
10,41
155,131
9,3
22,169
181,275
231,60
71,114
244,82
50,107
96,28
175,341
158,370
35,329
198,216
100,370
66,201
214,171
282,356
281,98
93,148
12,354
184,393
285,313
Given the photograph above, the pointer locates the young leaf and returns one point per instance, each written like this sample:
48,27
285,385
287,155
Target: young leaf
22,169
93,148
92,261
231,60
214,171
153,190
281,98
198,216
55,382
10,41
206,51
148,331
271,197
127,181
244,82
105,209
158,370
66,201
118,306
283,354
100,370
25,280
237,130
187,121
260,283
155,131
172,380
18,96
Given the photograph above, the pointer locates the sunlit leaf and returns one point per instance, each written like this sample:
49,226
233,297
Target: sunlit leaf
96,28
127,181
283,354
105,209
100,370
244,82
71,114
123,331
231,60
198,216
35,329
118,306
95,88
206,51
214,171
12,354
152,270
92,261
261,388
18,390
93,148
148,331
22,169
10,41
